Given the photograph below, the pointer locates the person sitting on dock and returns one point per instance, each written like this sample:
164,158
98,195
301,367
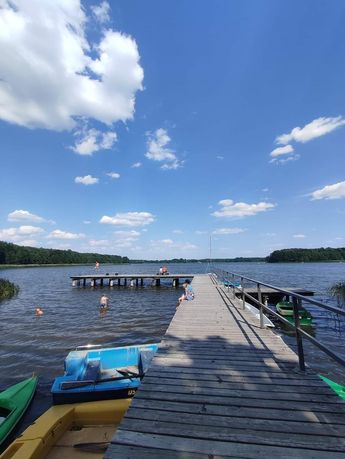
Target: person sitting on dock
188,292
97,265
104,302
165,270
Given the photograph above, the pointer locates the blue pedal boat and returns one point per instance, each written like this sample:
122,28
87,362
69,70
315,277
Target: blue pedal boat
93,373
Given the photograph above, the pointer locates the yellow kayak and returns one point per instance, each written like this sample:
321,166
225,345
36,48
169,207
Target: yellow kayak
80,430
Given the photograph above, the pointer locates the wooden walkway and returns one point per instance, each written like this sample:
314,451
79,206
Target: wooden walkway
220,386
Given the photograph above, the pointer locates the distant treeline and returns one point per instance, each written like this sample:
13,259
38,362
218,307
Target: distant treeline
305,255
201,260
13,254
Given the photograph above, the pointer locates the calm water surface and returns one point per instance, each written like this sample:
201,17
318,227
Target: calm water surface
136,315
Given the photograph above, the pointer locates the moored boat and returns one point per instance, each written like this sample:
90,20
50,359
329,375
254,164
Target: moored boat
285,309
338,388
13,403
70,431
233,283
102,373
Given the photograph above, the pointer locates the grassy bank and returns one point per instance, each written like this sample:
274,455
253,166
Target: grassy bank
7,289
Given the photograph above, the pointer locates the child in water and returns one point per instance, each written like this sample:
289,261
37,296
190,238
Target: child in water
39,311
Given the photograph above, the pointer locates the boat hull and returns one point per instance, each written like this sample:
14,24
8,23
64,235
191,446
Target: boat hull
58,432
14,401
89,395
102,373
285,309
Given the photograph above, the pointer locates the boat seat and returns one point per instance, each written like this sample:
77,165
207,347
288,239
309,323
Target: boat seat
92,369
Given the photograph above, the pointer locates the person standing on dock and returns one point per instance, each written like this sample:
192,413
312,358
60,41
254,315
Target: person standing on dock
104,302
97,266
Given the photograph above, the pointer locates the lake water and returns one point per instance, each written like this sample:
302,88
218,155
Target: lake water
136,315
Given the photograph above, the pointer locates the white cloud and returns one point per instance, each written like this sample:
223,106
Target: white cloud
240,209
101,12
293,157
282,151
113,175
127,237
51,75
299,236
164,245
314,129
86,180
223,231
135,165
20,233
129,219
86,222
335,191
26,216
59,234
166,241
199,232
157,150
220,157
99,243
92,140
177,231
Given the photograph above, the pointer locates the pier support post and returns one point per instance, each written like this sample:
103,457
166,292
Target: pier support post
158,282
101,281
141,282
261,307
136,282
243,294
119,282
84,282
125,281
296,304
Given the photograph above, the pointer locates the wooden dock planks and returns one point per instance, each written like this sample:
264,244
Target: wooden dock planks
220,386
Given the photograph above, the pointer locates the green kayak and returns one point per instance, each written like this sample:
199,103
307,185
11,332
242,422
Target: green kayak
285,309
338,388
13,403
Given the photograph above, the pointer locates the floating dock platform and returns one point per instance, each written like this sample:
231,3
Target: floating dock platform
127,279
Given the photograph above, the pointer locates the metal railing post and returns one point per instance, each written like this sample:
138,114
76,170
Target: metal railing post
299,340
261,307
243,294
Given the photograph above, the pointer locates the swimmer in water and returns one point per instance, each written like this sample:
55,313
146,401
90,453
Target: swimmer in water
104,302
39,311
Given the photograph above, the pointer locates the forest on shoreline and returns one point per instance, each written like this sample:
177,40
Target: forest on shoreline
17,255
306,255
13,254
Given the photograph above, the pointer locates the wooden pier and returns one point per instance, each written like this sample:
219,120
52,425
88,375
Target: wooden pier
221,387
127,279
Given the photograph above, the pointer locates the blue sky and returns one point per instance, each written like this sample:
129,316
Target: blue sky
143,128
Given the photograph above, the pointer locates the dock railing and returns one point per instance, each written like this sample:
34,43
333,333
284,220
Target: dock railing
236,283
